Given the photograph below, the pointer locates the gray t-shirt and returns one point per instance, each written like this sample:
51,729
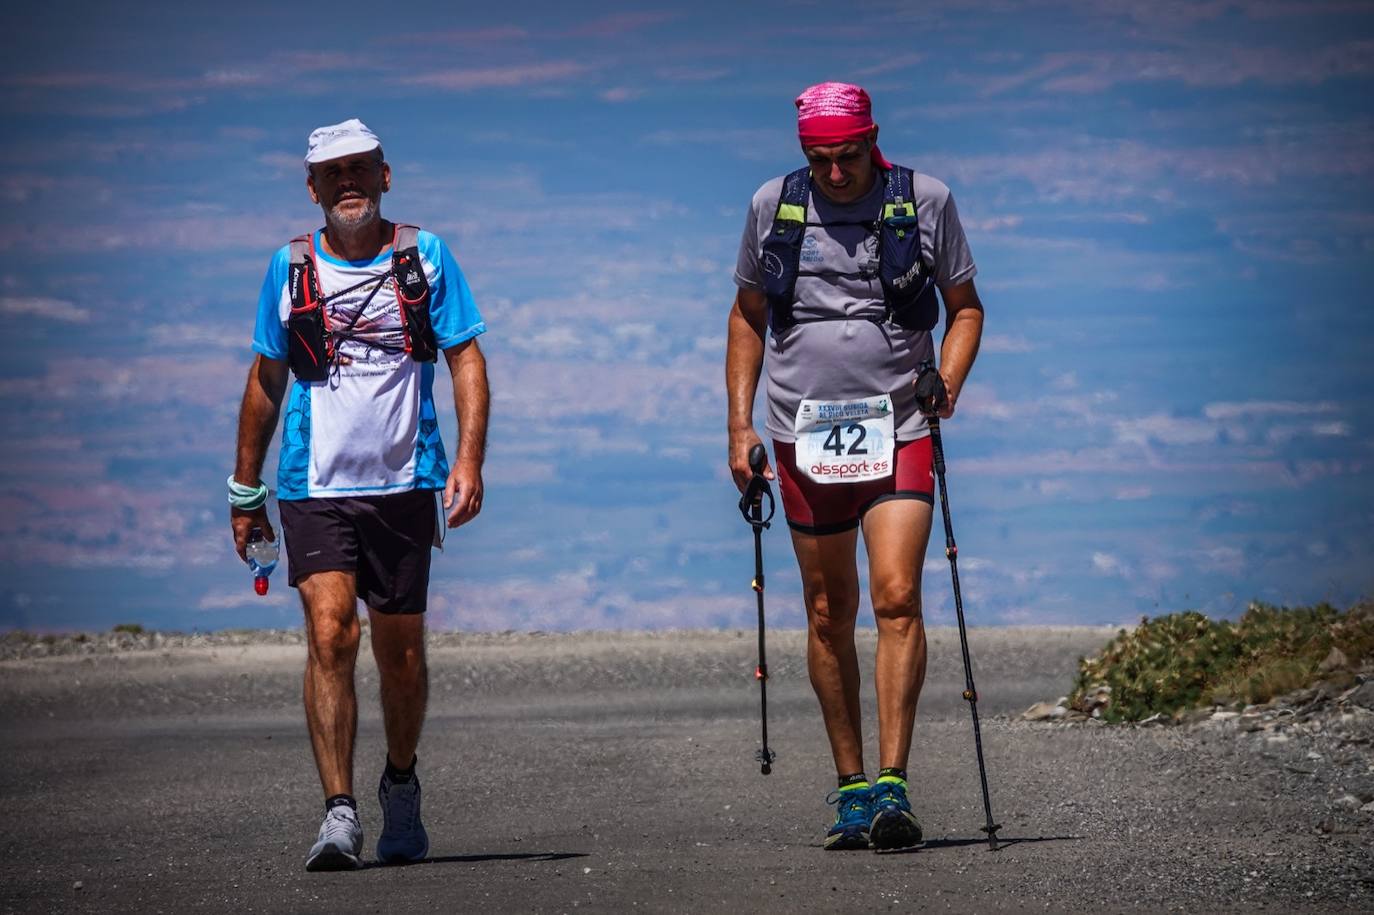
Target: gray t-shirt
841,360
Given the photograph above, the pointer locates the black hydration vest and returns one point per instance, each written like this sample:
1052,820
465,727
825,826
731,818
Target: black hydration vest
908,281
310,339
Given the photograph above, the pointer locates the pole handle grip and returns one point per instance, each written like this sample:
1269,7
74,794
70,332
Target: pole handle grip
931,394
751,503
757,456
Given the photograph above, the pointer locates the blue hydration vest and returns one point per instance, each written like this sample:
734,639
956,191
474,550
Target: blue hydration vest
908,281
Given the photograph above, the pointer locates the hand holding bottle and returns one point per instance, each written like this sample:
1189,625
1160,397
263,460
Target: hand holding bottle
261,555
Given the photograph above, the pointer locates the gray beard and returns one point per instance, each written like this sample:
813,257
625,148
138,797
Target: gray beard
347,226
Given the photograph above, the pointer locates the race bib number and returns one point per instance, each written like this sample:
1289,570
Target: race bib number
845,441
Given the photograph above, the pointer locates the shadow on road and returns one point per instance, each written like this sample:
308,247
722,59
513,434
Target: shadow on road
475,859
937,844
1002,842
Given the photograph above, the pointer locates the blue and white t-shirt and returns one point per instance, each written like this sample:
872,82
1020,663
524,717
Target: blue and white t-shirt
370,427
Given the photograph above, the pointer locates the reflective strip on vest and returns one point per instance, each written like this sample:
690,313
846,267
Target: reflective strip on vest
899,208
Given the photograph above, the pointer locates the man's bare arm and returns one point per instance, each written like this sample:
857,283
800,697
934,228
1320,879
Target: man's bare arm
963,333
258,414
743,362
472,400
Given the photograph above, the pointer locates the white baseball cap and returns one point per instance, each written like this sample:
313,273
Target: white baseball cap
338,140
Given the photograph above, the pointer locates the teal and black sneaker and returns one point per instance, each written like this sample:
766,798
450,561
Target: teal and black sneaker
852,813
893,824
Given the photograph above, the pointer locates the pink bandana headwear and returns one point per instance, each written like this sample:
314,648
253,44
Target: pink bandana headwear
832,113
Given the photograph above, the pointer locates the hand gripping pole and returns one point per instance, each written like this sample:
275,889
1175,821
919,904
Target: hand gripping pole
751,507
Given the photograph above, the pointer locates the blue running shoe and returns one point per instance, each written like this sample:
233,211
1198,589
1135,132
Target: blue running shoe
403,838
894,825
852,814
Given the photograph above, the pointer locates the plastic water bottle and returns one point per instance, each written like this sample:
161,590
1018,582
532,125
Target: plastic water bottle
262,558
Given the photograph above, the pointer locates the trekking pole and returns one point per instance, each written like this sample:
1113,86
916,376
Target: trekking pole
931,394
751,507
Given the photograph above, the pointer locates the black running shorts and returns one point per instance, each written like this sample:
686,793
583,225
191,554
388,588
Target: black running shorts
384,540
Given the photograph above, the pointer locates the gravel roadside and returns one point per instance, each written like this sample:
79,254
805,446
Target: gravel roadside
614,772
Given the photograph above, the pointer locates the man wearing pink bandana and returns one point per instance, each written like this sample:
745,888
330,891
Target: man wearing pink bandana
838,270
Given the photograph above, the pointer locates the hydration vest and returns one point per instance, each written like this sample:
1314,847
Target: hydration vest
908,281
311,339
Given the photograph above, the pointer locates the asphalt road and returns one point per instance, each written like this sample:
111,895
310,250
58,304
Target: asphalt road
615,772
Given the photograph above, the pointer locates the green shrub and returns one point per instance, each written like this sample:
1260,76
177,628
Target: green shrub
131,628
1184,660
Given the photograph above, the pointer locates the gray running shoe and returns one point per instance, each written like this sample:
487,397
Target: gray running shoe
403,839
340,843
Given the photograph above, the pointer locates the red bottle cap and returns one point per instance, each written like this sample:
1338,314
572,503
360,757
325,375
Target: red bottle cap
260,584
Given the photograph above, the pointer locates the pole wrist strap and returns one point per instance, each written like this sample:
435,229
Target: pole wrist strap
246,498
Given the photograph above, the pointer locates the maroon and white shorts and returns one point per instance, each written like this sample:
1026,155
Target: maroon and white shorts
831,508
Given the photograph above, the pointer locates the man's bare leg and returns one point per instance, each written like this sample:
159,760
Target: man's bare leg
331,705
398,645
896,533
830,584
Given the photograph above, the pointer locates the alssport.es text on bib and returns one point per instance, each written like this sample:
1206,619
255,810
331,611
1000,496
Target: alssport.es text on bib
845,441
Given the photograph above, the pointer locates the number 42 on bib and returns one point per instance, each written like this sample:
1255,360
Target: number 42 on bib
845,441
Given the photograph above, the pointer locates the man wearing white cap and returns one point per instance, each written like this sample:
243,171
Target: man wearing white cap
841,260
359,312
